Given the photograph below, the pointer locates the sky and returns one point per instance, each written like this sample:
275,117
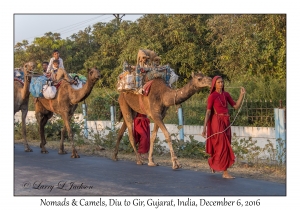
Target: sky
16,30
29,26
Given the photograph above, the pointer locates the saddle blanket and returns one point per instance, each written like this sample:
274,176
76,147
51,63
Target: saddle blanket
36,86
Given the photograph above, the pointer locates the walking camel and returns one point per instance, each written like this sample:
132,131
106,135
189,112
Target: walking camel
21,99
64,104
155,105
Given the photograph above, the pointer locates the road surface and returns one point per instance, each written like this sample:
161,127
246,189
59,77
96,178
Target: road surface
59,175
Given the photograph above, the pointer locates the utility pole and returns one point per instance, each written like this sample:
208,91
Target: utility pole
119,18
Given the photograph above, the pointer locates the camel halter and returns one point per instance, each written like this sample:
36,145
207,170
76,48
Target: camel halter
232,121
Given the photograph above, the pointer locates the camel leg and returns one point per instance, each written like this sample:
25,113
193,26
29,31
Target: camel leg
66,120
128,119
152,139
42,120
120,135
26,146
61,145
132,142
163,128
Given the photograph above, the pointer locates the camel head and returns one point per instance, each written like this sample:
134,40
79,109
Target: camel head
28,70
93,74
28,67
200,81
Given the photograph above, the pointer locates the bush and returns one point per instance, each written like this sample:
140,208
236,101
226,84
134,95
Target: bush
246,149
189,149
32,131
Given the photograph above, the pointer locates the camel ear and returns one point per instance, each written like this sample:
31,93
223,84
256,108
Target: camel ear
192,74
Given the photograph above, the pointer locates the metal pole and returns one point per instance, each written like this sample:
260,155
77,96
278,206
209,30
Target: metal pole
180,119
85,130
112,116
280,133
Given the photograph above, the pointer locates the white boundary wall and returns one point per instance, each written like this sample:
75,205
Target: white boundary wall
261,134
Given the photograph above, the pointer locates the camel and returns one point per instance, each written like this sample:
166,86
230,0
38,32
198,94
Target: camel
64,104
155,105
21,99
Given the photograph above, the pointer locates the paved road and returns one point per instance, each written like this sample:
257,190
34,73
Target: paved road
54,174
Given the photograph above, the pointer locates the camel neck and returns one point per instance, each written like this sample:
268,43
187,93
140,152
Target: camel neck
25,89
81,94
180,95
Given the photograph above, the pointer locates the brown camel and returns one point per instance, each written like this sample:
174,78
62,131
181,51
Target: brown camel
21,99
155,105
64,104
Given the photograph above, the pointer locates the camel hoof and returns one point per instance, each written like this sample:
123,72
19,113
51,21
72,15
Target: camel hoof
62,152
44,152
177,166
75,156
115,159
139,163
28,150
152,164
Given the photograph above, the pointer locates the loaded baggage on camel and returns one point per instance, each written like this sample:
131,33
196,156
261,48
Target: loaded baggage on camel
46,85
135,78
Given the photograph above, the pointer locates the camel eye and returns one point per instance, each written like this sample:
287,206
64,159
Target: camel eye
199,79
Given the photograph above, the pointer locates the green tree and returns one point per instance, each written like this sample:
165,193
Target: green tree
249,45
79,48
20,55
